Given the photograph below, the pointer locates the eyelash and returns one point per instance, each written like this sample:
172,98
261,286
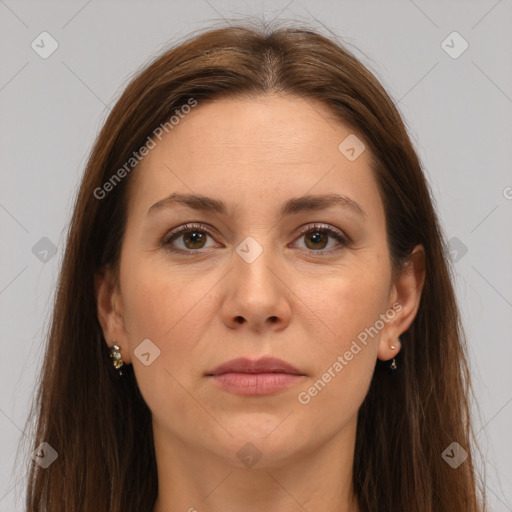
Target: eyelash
187,228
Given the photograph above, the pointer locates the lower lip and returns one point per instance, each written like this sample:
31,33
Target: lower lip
255,383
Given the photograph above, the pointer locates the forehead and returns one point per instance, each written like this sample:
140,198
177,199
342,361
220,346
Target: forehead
283,128
243,148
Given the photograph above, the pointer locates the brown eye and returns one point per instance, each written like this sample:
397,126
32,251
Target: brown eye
187,238
317,239
194,239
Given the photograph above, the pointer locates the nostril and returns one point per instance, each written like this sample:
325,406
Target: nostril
239,319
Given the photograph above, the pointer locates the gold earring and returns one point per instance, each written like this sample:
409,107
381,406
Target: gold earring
393,366
115,355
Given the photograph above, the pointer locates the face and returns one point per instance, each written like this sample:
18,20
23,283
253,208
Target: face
287,259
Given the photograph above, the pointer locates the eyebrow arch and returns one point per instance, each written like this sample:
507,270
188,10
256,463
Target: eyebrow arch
292,206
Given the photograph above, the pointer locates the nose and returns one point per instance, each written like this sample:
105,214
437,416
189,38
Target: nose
257,294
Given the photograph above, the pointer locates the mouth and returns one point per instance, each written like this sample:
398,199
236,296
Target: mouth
260,377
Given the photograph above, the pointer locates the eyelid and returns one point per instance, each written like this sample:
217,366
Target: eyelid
323,227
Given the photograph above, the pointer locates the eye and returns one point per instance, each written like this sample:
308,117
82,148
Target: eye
193,237
317,236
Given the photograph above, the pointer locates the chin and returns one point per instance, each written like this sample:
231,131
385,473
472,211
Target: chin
263,441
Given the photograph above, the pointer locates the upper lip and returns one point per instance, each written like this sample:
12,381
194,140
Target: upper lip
262,365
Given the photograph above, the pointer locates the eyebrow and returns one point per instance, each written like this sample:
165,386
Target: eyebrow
292,206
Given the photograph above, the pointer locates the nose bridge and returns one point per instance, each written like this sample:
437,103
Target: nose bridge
256,293
254,263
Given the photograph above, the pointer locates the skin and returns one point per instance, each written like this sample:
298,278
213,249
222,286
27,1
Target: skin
295,302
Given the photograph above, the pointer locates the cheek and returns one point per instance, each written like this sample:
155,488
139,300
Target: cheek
350,299
351,303
357,303
346,360
151,287
171,306
163,306
150,303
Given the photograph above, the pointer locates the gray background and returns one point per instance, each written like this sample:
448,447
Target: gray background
458,112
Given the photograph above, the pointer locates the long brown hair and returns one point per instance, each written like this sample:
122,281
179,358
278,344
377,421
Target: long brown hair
99,423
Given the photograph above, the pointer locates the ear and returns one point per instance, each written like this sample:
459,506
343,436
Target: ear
405,296
110,311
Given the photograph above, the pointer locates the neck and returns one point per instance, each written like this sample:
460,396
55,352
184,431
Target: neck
192,479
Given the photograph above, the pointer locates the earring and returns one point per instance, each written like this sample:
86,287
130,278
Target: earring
115,355
393,366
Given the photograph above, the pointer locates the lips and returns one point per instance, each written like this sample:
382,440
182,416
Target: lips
263,365
264,376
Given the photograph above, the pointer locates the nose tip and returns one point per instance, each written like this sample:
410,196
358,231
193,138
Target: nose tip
254,293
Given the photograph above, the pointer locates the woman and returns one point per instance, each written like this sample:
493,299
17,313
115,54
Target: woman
255,310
